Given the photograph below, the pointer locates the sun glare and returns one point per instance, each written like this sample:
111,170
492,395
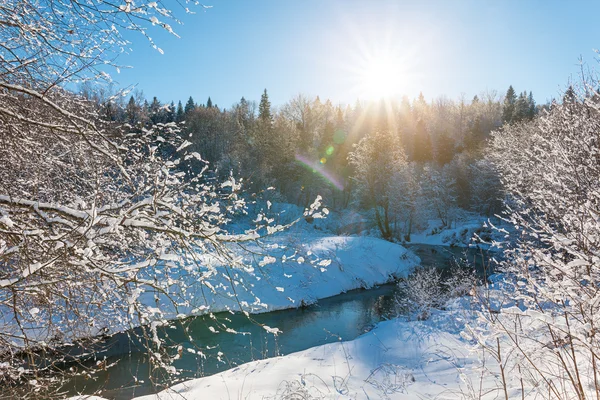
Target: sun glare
381,78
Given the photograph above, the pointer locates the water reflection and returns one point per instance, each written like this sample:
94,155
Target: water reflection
342,317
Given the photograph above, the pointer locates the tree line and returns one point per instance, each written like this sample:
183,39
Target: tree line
308,146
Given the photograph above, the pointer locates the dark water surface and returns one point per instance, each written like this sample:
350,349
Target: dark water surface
342,317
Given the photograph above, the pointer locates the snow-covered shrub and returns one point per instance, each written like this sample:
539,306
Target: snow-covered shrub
545,330
421,292
428,288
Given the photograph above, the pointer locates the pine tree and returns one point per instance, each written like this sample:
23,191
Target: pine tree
264,110
170,114
475,135
209,103
179,116
155,111
264,151
521,108
509,105
339,118
132,111
189,106
570,96
243,114
146,110
532,110
420,107
445,148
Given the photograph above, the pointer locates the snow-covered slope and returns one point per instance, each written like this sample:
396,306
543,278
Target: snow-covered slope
300,269
396,360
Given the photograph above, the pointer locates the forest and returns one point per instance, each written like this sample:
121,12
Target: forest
430,155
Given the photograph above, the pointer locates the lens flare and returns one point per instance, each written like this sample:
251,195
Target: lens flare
317,167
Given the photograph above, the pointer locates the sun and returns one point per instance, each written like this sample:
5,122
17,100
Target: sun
381,78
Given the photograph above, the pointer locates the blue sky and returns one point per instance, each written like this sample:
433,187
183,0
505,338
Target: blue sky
447,47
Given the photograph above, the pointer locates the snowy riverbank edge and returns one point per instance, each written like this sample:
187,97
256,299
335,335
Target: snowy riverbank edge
396,360
316,267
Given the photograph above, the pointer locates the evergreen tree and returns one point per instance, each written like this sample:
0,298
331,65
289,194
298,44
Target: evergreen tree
532,110
508,109
406,123
420,107
263,138
422,143
339,118
445,148
243,114
170,114
264,110
155,111
132,111
475,135
521,109
179,116
189,106
570,96
146,110
209,103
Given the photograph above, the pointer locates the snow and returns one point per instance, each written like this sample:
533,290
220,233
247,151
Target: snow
396,360
299,269
472,230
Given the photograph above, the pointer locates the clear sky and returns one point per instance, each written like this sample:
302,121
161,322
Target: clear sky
328,48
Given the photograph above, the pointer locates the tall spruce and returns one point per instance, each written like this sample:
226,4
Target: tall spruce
170,114
508,108
132,111
521,110
264,110
156,116
179,116
189,106
444,148
532,110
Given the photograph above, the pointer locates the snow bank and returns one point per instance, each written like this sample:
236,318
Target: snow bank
293,270
396,360
473,230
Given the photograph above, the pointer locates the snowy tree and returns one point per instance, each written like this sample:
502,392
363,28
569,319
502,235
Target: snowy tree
485,187
422,151
94,217
508,108
438,188
544,324
378,161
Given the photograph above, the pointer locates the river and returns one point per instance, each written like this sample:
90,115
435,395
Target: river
341,317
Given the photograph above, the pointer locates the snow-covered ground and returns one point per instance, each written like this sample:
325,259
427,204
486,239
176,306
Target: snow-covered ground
396,360
471,230
315,267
